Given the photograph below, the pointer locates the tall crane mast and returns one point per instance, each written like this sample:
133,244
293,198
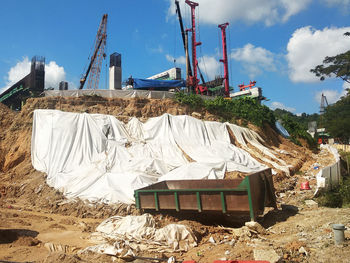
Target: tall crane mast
193,80
224,60
183,34
324,104
97,57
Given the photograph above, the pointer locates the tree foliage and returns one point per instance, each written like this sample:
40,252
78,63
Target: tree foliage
337,118
338,66
303,119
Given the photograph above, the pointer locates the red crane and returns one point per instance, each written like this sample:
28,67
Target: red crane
193,80
224,60
249,86
96,59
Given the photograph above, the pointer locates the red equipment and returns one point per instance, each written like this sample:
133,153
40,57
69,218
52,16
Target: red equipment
193,80
244,87
224,60
305,186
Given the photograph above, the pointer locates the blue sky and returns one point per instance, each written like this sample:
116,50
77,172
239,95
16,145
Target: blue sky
274,42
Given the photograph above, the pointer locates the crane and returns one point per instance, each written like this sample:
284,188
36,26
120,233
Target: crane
324,104
183,34
224,60
96,59
193,80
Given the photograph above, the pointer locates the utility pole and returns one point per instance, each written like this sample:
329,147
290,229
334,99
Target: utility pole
224,60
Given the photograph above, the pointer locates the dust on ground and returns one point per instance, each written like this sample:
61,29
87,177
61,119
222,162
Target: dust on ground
38,224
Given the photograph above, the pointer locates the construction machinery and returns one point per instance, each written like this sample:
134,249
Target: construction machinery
324,103
191,72
31,85
224,60
248,91
97,56
193,80
322,134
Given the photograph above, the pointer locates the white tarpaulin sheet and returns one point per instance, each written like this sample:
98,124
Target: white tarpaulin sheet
99,158
122,236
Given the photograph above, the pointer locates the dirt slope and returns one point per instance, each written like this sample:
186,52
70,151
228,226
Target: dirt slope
33,215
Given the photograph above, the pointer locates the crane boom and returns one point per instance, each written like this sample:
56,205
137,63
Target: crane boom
178,11
96,59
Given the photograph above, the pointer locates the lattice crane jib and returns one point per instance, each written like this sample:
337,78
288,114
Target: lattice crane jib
98,55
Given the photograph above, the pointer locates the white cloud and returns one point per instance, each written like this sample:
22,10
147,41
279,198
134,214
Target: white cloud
331,95
53,74
343,5
181,60
346,85
17,72
158,49
308,47
249,11
254,60
280,105
210,66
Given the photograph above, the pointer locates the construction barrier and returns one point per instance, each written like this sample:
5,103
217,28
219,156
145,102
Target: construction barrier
329,177
342,147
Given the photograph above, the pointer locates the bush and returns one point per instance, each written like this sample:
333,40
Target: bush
246,108
339,197
296,130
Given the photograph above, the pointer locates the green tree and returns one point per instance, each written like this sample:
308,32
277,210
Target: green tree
338,66
337,118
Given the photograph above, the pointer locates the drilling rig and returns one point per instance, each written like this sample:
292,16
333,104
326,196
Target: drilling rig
191,72
97,56
225,60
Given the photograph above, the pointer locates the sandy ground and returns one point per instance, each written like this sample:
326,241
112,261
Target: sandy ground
37,224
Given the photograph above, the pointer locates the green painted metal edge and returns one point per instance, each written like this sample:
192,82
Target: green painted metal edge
137,200
251,211
223,203
14,91
240,188
176,201
199,203
156,201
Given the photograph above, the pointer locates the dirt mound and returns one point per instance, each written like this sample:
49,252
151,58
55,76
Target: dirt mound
20,237
22,185
27,201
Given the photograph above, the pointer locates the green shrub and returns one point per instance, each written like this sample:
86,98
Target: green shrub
339,197
330,199
296,130
247,109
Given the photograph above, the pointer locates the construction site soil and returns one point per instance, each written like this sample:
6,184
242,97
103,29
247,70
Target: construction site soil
38,224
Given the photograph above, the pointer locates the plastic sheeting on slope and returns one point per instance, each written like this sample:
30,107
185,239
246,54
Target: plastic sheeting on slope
244,135
97,157
282,130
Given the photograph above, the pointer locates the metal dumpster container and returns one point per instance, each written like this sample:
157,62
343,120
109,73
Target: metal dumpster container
241,197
